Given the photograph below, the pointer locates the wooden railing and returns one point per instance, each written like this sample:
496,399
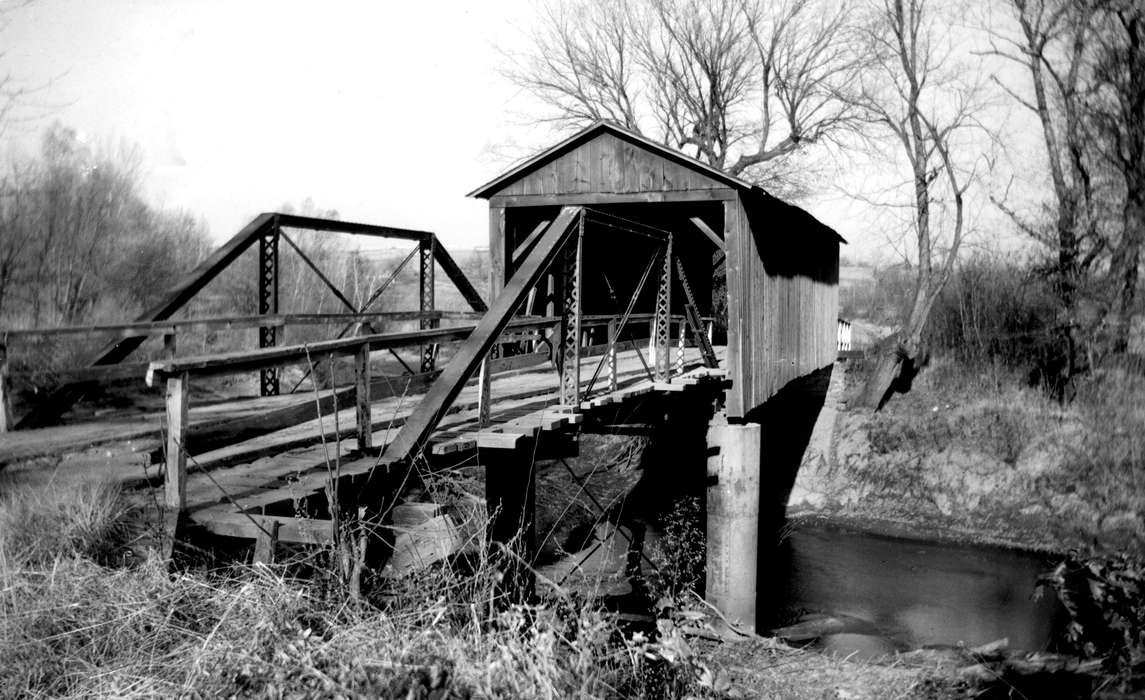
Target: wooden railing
176,375
844,336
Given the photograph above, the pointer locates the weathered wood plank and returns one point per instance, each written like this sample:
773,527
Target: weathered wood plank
175,480
607,197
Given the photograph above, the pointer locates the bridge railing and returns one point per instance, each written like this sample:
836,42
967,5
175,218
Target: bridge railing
844,335
176,374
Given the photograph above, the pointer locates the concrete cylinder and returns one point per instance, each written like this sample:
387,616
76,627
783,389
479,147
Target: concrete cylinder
733,520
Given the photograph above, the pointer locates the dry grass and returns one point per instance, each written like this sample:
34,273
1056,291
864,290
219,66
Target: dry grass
74,625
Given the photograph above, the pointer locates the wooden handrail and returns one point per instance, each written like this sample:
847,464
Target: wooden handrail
234,362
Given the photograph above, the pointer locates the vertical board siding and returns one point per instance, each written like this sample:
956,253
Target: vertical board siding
782,305
608,164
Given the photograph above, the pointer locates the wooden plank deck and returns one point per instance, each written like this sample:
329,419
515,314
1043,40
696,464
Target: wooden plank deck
265,473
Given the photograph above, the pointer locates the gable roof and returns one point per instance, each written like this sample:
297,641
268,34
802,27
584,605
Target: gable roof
592,131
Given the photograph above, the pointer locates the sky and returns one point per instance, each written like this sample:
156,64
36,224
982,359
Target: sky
388,112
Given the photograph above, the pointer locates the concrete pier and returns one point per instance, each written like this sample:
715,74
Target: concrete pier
733,519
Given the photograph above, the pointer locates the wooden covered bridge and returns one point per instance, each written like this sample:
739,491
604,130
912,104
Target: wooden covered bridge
609,253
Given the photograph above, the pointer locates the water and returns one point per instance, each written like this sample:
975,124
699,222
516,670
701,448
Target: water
870,594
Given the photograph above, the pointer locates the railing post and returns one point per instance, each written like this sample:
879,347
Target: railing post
175,481
683,329
6,421
268,303
484,393
362,397
662,362
426,301
169,346
613,327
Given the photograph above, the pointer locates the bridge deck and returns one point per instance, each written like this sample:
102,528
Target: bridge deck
526,404
273,473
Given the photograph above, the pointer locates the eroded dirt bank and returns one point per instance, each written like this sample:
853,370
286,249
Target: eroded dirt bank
978,459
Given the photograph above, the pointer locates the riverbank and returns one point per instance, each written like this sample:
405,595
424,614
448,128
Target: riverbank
976,457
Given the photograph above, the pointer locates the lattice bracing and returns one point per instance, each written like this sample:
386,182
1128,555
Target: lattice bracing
268,304
663,361
570,318
426,302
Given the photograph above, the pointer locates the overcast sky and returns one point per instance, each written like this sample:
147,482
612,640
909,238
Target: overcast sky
388,112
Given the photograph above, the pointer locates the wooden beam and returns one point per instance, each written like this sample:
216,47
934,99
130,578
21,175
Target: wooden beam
527,244
234,362
362,397
149,328
265,542
429,412
175,480
707,231
588,199
497,251
510,499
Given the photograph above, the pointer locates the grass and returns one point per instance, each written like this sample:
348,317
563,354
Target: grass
78,619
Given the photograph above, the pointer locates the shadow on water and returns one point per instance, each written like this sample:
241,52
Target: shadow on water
851,592
873,594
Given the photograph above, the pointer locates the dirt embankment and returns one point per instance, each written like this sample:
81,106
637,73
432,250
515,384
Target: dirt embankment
980,459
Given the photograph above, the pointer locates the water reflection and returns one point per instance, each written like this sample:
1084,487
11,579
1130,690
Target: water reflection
911,594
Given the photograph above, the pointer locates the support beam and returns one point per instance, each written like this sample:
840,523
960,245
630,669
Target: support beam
510,498
497,243
175,481
707,231
170,345
268,304
733,520
266,542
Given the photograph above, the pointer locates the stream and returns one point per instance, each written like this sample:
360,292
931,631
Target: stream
855,593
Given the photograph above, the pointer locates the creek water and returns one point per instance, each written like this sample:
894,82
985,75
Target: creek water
871,594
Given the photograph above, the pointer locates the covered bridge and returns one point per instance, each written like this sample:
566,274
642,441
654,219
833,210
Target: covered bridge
782,265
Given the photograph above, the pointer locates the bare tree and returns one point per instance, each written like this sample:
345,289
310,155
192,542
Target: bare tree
741,84
1053,46
914,91
1118,104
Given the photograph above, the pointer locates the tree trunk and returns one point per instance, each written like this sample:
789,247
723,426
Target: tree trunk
905,346
1125,267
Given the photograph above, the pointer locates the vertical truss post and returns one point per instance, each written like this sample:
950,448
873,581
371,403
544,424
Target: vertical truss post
570,318
663,317
268,303
426,303
613,337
